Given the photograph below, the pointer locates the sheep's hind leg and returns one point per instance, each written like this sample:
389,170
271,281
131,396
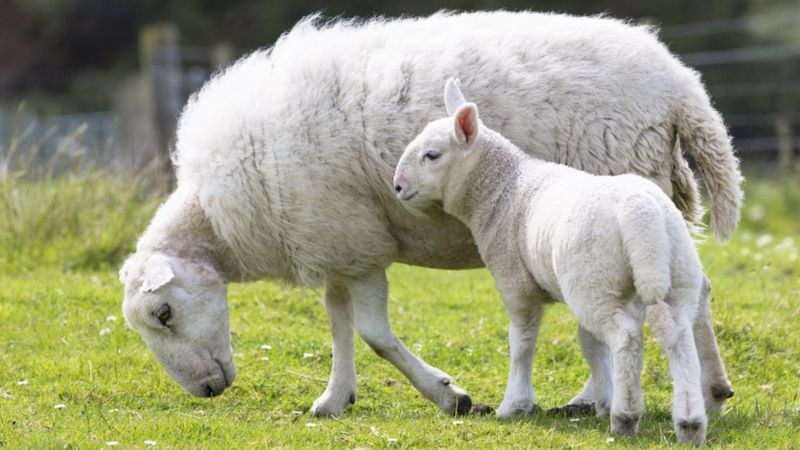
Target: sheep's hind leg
716,387
525,317
369,295
671,325
341,390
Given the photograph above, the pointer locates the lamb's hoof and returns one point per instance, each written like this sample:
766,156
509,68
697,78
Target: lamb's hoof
691,431
330,404
516,410
573,410
624,424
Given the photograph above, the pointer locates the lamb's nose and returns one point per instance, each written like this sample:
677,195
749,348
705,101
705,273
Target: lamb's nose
398,188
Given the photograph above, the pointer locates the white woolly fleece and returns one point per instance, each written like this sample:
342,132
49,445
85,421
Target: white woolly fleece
292,149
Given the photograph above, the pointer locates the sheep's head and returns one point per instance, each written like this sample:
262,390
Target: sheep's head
179,307
431,157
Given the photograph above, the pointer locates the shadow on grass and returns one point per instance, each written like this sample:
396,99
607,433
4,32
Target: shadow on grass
656,427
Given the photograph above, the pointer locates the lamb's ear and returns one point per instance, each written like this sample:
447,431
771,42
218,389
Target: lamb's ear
157,272
453,98
465,124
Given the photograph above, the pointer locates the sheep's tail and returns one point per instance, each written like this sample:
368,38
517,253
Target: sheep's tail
703,135
646,244
685,194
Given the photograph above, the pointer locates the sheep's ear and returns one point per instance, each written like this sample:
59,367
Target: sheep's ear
466,124
123,271
157,272
453,98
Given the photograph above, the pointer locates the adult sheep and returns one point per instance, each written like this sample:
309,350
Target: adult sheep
285,164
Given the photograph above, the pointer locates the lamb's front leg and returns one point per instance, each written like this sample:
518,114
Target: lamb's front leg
525,316
341,390
369,295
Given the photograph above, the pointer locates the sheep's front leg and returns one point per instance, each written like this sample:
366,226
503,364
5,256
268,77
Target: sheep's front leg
369,295
525,317
716,387
341,390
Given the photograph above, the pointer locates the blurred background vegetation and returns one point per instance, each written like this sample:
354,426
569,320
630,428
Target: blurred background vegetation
90,91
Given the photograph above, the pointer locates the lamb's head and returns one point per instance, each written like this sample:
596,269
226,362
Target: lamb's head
179,307
436,153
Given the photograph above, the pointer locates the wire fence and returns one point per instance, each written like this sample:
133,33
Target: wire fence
769,128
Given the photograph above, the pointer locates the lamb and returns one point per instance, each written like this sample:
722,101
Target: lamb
285,164
613,248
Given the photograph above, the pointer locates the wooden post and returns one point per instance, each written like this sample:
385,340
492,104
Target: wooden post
221,55
160,59
785,139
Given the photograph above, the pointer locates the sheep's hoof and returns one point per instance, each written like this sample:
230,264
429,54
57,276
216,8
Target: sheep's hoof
463,405
624,424
721,393
718,395
573,410
482,409
693,431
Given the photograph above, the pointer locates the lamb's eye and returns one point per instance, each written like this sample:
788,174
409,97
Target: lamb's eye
163,313
431,155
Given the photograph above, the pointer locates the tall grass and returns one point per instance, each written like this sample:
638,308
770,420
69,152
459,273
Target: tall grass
63,209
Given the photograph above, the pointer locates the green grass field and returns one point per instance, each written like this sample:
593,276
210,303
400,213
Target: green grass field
76,377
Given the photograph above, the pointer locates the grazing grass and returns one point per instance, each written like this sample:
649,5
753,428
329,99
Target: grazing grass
63,342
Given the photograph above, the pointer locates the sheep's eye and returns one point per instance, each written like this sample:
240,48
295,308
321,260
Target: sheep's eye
163,313
431,155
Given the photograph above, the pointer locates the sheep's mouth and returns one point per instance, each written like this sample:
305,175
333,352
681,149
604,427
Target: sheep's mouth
408,197
228,379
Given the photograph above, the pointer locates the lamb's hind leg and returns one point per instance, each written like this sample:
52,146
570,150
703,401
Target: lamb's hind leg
341,390
623,334
581,404
597,355
716,387
671,324
369,296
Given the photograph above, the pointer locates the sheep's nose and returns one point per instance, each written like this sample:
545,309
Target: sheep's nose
398,188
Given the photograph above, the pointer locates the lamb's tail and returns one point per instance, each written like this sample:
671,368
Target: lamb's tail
702,133
645,240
